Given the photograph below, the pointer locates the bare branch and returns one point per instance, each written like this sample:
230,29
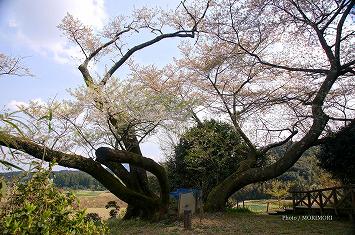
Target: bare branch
13,66
287,68
265,149
129,53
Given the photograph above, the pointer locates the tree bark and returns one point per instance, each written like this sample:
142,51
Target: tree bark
138,174
148,164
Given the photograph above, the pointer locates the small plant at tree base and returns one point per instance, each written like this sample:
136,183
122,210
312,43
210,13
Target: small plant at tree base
278,190
113,212
93,217
36,206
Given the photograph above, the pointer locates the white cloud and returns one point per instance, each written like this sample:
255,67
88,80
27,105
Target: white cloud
12,23
36,24
15,105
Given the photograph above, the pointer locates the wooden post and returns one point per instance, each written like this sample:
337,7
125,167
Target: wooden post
335,205
352,190
201,214
320,202
237,204
243,203
200,209
309,199
187,219
267,206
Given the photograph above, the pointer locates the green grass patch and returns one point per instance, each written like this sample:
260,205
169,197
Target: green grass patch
86,193
239,210
260,206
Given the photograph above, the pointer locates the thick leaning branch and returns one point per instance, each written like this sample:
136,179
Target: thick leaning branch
78,162
120,171
121,156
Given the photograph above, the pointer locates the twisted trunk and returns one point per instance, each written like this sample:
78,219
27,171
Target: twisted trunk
139,177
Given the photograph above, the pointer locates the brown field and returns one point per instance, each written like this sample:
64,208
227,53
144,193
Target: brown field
95,201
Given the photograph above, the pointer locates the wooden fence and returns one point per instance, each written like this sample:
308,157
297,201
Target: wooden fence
338,198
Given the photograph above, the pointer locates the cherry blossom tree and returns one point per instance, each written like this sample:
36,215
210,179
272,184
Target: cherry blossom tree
299,57
277,70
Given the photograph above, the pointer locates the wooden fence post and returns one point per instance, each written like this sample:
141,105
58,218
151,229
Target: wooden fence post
320,202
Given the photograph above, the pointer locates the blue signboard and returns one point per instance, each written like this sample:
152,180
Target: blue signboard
176,194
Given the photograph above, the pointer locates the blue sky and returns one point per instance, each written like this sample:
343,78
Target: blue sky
28,29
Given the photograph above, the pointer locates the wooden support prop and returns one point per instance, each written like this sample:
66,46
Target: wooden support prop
309,200
187,219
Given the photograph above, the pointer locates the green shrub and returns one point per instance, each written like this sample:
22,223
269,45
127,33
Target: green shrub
36,206
205,155
238,210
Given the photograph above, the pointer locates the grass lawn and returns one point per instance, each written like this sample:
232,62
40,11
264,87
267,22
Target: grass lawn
260,206
87,193
257,223
233,223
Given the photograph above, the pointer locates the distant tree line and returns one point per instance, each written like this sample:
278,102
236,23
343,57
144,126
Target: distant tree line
65,179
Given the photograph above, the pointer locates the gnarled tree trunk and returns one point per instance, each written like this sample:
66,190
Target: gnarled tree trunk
150,208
